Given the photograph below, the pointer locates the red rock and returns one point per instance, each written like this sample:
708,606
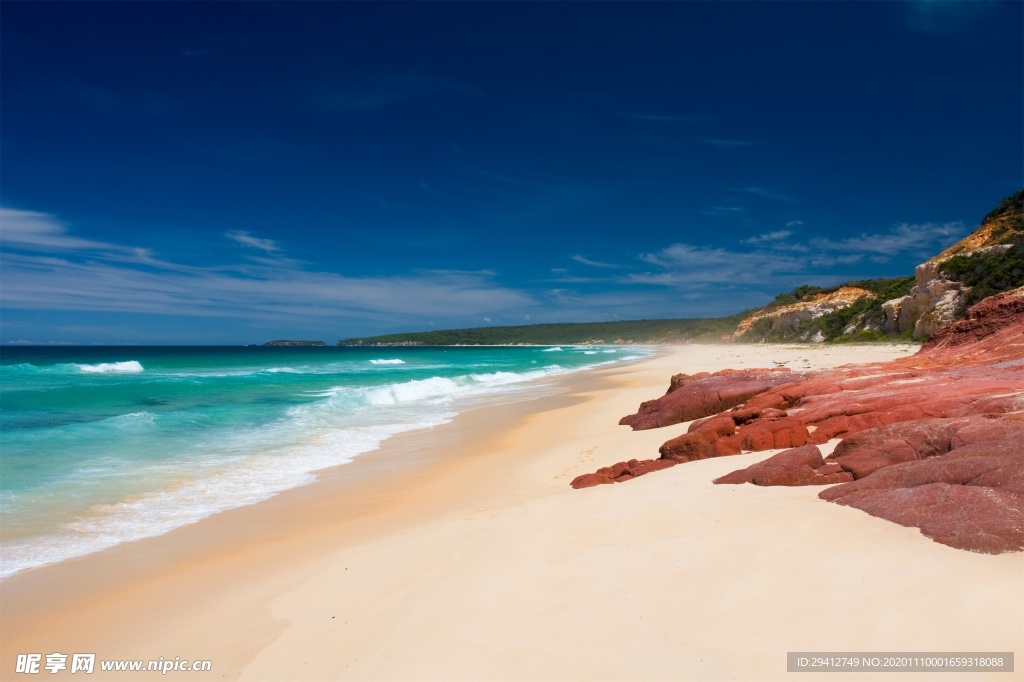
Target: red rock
693,397
621,471
933,440
961,481
991,316
797,466
590,480
681,379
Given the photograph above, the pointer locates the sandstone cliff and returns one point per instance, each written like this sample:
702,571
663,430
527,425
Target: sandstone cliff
795,316
986,262
939,295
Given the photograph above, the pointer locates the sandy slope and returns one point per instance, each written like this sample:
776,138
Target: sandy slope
462,553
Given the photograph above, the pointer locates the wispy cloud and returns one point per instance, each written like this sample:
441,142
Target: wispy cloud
905,238
44,232
685,264
723,210
768,237
794,223
593,263
52,270
246,239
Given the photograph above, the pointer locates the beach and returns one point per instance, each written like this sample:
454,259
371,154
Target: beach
460,552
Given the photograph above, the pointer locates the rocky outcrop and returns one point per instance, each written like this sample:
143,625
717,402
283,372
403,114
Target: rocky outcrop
932,303
694,396
996,314
812,307
961,482
931,441
797,466
623,471
936,298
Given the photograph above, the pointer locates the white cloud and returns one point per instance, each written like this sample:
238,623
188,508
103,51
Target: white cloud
768,237
794,223
684,263
723,210
42,232
904,239
593,263
246,239
48,269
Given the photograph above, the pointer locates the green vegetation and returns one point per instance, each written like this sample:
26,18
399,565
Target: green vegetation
797,295
633,331
288,343
1011,204
986,273
866,312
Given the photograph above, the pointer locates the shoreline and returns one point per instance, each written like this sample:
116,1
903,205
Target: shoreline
483,548
522,391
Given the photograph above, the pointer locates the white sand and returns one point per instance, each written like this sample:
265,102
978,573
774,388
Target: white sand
485,564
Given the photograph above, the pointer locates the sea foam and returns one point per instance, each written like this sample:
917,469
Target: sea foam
127,367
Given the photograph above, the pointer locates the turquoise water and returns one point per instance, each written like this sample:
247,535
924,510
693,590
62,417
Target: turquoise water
105,445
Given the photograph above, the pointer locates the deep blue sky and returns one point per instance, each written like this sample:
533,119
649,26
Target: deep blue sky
192,172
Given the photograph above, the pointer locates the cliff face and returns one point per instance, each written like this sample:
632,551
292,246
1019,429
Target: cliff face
794,316
986,262
938,296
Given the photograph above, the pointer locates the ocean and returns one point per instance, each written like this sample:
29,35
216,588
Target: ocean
104,445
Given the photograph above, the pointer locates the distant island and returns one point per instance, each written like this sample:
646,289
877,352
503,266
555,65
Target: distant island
577,333
290,343
988,261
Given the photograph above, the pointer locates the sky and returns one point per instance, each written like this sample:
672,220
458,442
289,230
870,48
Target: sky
235,172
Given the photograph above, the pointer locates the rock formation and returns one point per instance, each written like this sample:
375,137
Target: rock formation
694,396
812,307
936,297
932,440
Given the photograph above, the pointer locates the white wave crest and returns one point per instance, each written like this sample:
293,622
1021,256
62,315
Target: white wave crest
551,350
394,361
245,482
418,389
127,367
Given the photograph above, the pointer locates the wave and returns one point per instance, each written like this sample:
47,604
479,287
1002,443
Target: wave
346,421
127,367
253,479
551,350
443,388
394,361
